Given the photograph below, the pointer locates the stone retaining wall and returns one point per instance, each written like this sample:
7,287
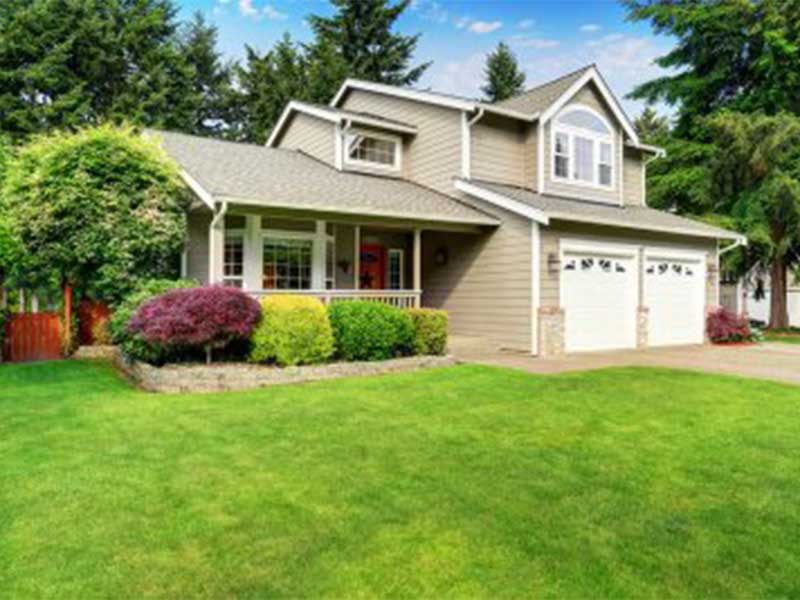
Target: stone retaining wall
173,379
96,353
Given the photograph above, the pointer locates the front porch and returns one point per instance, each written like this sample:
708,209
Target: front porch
336,258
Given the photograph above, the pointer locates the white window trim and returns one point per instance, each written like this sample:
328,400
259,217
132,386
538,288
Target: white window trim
596,139
241,235
318,274
402,254
398,155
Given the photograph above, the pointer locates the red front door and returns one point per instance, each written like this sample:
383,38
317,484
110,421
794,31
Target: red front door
373,267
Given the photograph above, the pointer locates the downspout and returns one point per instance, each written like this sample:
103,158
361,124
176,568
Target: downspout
466,141
342,143
211,249
740,241
660,154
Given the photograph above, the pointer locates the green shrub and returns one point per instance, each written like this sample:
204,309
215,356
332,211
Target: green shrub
430,330
131,344
366,330
294,330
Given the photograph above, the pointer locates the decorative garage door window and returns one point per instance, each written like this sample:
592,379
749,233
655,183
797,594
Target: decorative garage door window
605,265
664,268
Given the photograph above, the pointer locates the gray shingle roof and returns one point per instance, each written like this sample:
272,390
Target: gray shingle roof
281,178
537,99
355,115
633,217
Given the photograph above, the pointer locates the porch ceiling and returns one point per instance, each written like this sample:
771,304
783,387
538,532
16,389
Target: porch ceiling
258,176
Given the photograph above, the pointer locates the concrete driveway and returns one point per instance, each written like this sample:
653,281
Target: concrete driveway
779,362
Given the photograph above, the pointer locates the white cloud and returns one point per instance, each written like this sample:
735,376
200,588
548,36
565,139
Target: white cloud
481,27
430,10
247,9
526,23
590,28
463,22
523,41
605,40
273,14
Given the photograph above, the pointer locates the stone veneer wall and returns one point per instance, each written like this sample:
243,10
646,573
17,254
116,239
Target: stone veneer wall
551,331
221,377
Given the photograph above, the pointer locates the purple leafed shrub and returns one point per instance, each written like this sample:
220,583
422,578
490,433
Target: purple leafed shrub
203,318
724,326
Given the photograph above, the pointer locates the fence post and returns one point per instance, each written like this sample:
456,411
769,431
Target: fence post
67,334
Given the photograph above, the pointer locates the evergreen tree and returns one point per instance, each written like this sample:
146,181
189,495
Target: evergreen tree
650,127
211,77
267,84
361,31
68,64
504,78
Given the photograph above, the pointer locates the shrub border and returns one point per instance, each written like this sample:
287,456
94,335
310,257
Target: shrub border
223,377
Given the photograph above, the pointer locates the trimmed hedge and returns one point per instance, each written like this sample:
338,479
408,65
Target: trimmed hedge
206,318
134,345
366,330
430,330
294,330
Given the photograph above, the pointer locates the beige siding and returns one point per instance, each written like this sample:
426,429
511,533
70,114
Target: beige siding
197,245
552,235
530,153
590,97
432,157
633,172
498,150
485,284
311,135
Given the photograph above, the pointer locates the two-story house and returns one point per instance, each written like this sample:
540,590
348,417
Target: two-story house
527,219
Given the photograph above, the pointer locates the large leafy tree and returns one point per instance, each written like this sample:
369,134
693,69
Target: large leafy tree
758,171
650,126
361,31
98,210
71,63
735,54
504,78
210,78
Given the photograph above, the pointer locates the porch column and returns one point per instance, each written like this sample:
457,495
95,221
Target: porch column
318,257
356,257
417,264
253,253
216,246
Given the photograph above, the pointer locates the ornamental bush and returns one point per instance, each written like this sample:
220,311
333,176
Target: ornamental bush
365,330
206,318
131,344
294,330
725,326
430,330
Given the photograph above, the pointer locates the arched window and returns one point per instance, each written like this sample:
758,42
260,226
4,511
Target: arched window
583,147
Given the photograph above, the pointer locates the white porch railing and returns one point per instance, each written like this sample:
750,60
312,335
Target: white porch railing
397,298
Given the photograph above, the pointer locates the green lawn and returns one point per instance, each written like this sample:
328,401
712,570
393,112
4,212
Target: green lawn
786,336
468,481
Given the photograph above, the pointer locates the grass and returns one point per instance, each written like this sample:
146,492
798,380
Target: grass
468,482
786,336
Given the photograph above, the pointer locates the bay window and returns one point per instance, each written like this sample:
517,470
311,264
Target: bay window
583,148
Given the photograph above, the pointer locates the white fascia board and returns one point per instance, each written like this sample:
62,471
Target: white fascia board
369,212
299,107
608,96
658,151
504,202
399,92
379,124
507,112
198,189
722,235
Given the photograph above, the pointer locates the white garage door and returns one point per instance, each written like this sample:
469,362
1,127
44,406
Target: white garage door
599,297
674,290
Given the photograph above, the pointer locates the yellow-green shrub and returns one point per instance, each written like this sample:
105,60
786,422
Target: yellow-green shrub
430,330
294,330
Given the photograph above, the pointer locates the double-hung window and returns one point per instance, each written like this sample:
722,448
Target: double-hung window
583,148
233,259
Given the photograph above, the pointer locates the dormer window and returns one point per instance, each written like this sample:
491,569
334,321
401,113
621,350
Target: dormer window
373,150
583,148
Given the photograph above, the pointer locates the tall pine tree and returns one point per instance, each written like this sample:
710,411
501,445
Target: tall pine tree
361,31
210,76
504,78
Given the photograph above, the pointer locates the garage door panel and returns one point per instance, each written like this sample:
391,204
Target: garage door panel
674,290
599,299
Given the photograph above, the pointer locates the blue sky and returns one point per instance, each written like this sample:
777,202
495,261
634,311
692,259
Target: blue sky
549,37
